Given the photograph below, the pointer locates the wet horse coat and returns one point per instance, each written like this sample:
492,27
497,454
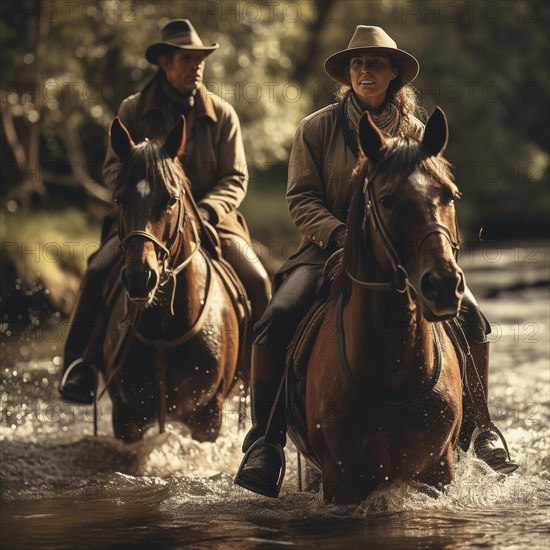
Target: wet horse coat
172,340
383,394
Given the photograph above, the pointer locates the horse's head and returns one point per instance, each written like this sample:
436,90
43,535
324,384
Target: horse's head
149,194
409,213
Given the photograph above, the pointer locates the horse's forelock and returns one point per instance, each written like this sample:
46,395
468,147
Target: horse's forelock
405,155
148,160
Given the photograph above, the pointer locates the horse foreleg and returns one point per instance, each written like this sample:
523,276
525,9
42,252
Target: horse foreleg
337,487
205,423
442,472
126,426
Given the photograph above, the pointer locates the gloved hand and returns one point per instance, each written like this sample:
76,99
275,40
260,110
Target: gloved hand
337,238
208,214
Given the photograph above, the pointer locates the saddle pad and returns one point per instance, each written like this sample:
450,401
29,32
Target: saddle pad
234,288
301,344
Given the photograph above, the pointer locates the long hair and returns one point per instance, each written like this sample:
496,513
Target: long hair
412,116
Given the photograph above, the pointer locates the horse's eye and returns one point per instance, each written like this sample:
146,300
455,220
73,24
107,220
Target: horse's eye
388,201
448,199
172,201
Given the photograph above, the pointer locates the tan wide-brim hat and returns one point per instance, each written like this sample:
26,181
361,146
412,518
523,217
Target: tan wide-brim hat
181,35
371,38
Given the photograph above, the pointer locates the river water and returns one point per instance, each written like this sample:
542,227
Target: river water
62,488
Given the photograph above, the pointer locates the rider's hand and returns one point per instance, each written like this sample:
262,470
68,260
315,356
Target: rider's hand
337,238
208,214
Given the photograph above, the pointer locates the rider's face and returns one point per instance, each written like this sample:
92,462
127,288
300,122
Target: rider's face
184,69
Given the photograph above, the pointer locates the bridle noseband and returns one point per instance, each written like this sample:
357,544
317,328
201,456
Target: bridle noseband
401,279
165,255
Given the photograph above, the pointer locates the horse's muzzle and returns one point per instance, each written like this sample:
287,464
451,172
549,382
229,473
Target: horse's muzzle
139,283
442,293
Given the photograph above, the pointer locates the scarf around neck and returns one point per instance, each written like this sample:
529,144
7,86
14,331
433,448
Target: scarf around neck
388,120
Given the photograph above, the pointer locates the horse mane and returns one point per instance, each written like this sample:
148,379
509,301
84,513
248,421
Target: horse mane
149,159
399,158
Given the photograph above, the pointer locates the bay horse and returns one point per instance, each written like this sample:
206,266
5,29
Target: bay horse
383,398
172,342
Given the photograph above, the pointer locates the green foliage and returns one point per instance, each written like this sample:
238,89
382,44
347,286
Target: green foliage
69,65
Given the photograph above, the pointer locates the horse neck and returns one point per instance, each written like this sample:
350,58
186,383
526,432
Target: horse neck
388,341
188,295
191,280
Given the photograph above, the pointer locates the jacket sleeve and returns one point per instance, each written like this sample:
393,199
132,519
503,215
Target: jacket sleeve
126,113
230,189
305,190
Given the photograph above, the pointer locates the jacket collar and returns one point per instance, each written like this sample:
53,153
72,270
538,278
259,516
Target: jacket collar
152,99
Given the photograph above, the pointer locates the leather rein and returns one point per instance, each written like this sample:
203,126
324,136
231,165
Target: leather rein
401,284
165,255
401,279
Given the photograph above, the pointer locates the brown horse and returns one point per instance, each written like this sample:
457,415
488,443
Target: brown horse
172,339
384,397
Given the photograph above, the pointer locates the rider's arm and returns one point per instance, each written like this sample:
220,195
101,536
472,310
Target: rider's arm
305,191
230,189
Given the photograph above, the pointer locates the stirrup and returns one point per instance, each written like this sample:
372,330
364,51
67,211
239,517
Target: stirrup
71,397
508,465
270,491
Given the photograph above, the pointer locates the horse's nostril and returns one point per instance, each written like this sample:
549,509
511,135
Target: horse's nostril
430,285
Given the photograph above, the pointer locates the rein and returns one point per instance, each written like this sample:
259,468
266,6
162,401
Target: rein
401,282
170,273
364,393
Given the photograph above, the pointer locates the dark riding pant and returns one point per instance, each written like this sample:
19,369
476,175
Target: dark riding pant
297,293
287,307
86,308
475,325
85,313
244,260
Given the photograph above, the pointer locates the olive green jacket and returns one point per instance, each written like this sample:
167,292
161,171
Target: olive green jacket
214,158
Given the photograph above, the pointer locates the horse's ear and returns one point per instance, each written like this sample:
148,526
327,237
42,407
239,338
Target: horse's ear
121,141
174,144
371,139
436,133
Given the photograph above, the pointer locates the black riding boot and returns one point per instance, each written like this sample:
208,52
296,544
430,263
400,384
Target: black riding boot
79,379
262,468
488,445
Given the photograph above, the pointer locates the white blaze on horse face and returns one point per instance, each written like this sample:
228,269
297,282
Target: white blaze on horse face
418,180
143,188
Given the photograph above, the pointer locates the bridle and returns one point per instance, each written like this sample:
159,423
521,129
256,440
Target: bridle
401,279
166,255
401,283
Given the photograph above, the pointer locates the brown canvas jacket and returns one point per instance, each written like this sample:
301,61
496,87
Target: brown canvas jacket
216,168
319,191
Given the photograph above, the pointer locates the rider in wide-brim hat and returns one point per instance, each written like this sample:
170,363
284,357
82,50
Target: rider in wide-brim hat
374,75
178,34
365,39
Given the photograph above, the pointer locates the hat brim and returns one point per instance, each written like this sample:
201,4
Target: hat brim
337,65
154,50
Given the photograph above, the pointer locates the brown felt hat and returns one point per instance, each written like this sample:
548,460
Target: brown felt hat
181,35
371,38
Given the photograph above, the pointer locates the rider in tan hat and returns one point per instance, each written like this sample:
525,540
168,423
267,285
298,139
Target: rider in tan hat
214,161
374,75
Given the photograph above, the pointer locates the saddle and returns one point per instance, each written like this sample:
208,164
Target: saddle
299,351
126,328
